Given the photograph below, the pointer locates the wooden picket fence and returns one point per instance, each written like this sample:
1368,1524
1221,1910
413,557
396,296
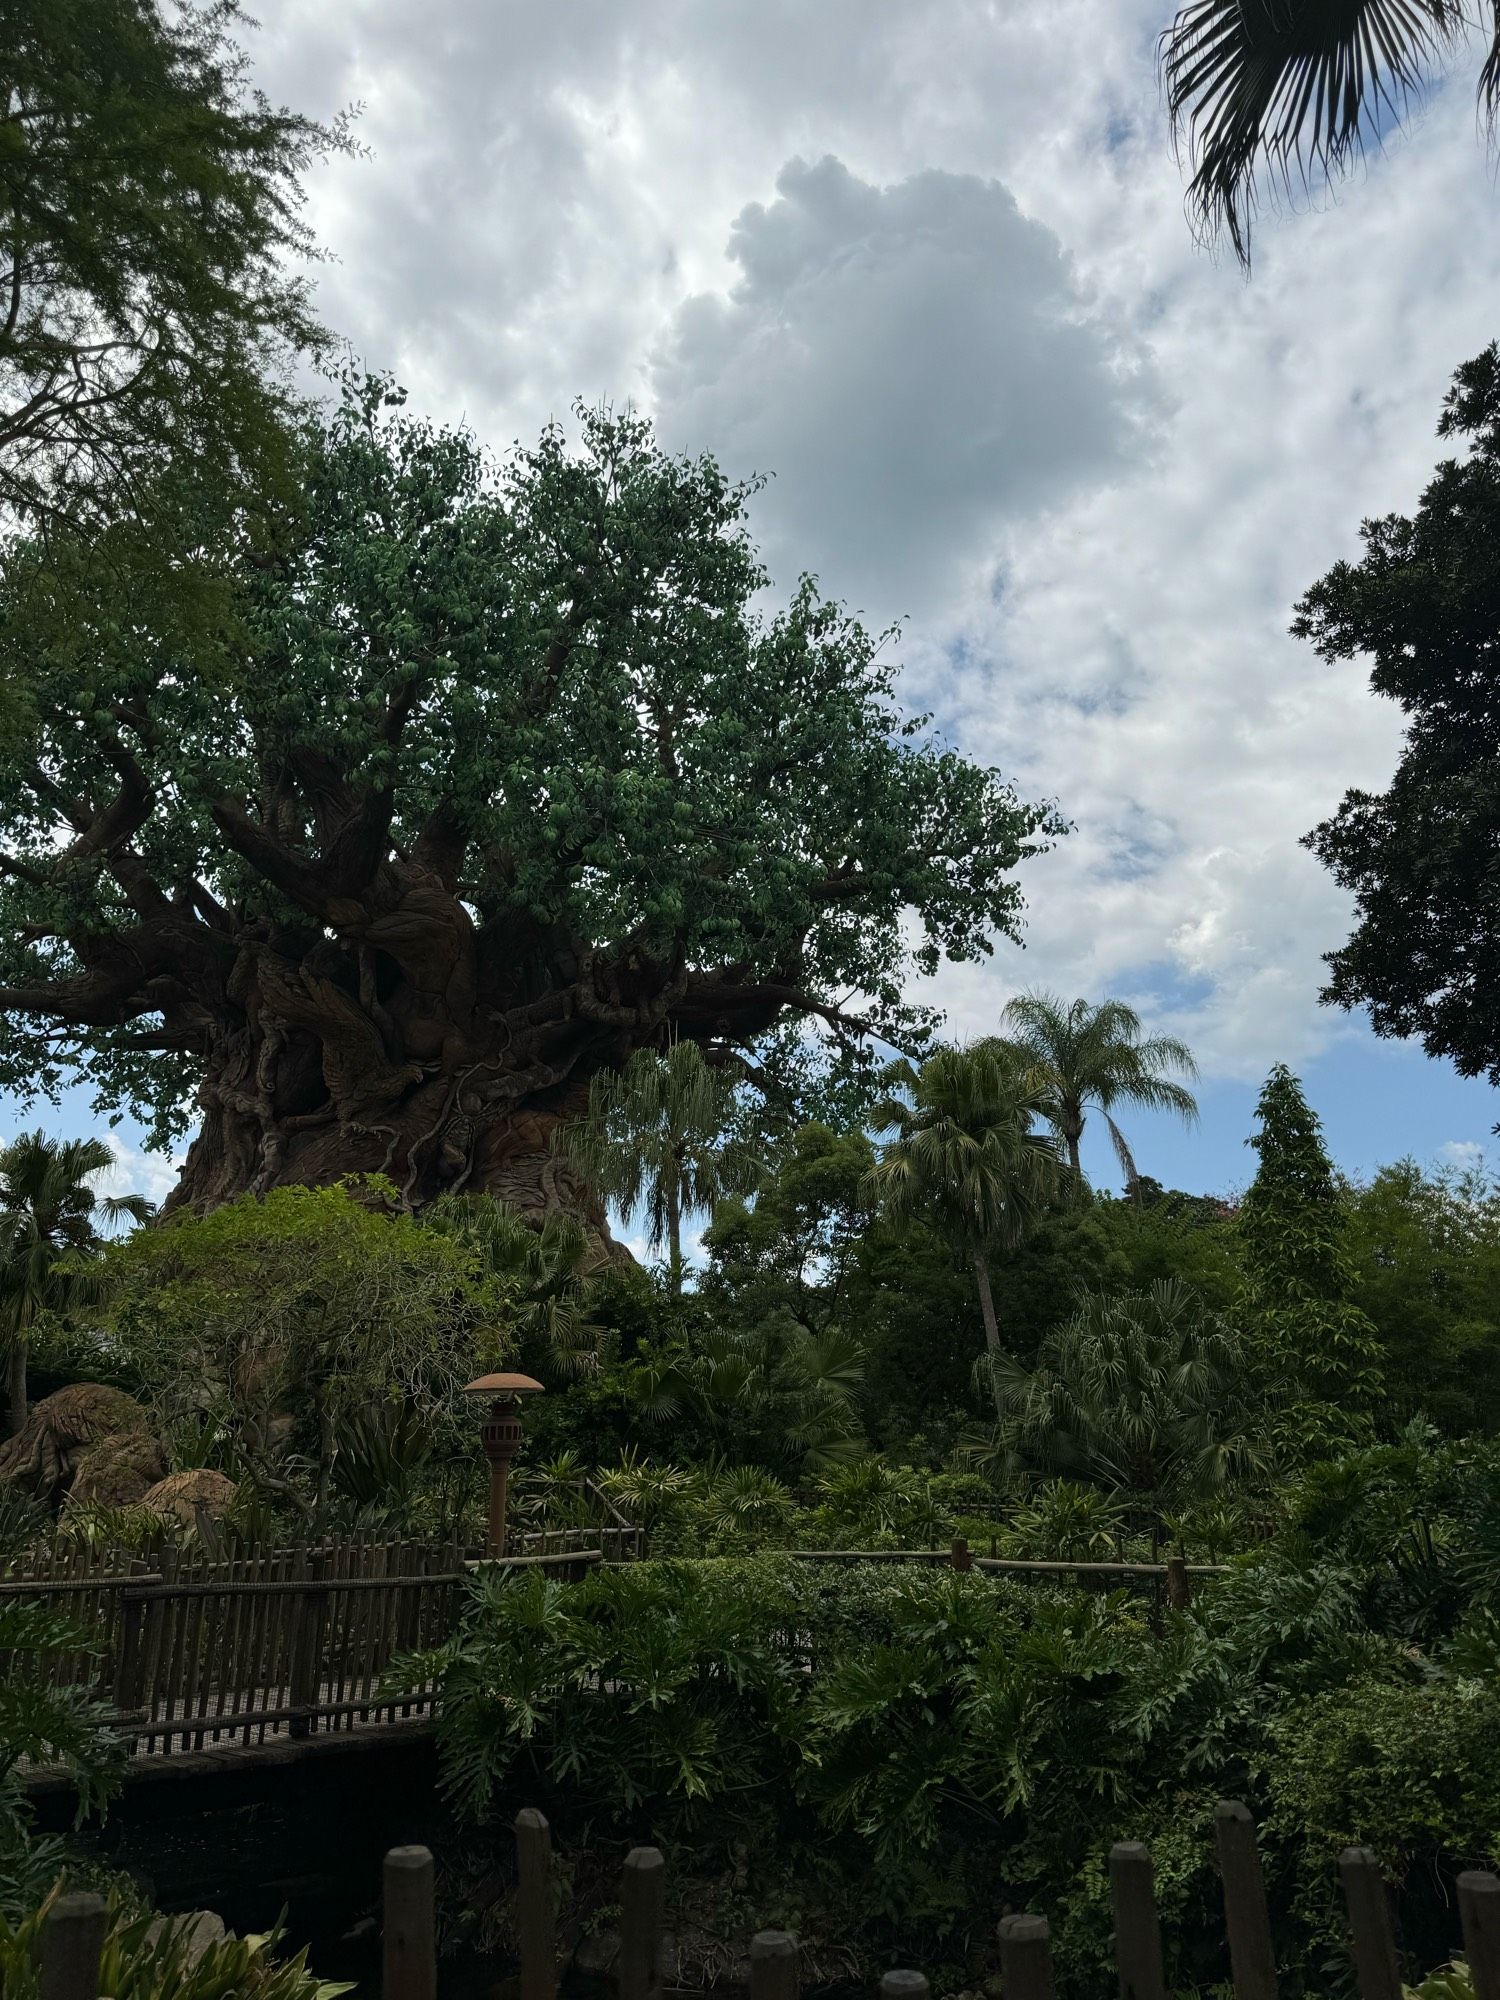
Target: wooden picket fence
73,1934
195,1649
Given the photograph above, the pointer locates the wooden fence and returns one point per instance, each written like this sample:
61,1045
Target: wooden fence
195,1649
74,1930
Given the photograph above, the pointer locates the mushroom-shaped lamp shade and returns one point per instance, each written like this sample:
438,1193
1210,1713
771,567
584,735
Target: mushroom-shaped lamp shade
503,1384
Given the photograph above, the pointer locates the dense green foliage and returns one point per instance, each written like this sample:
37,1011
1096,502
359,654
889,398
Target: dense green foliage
47,1723
494,774
149,213
901,1751
275,1321
1298,1277
1423,603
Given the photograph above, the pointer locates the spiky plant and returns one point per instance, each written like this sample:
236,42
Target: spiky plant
1287,91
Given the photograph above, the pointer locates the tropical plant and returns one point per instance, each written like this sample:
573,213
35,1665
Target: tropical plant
48,1721
695,1674
645,1488
659,1137
50,1239
542,1271
1097,1058
1064,1521
147,1957
378,1453
872,1503
964,1153
1293,87
772,1391
1144,1393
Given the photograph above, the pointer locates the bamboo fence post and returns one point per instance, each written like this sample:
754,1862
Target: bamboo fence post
534,1905
960,1557
1376,1965
72,1940
1026,1958
642,1884
773,1966
1132,1889
1252,1962
1479,1907
409,1943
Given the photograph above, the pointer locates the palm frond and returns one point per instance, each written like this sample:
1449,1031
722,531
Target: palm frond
1289,89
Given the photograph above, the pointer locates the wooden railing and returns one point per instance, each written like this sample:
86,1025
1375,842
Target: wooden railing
74,1929
197,1650
596,1522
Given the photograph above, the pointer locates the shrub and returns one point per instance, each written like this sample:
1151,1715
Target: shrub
153,1958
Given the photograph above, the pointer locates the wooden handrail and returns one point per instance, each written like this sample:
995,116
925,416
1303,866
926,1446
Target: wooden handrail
1004,1563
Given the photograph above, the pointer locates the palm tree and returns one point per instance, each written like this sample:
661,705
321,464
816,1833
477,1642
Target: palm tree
965,1152
1096,1058
658,1134
1291,87
1144,1393
48,1237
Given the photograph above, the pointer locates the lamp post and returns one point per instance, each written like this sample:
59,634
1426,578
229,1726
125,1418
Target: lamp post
500,1434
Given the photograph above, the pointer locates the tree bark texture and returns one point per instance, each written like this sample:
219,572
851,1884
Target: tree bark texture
416,1043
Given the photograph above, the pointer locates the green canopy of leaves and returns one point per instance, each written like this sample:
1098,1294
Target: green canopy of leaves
636,801
149,218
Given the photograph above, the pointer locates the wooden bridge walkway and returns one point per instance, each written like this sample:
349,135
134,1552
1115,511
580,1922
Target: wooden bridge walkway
257,1650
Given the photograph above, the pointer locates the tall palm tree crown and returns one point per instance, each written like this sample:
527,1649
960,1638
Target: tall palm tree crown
658,1135
1095,1058
48,1231
964,1151
1287,89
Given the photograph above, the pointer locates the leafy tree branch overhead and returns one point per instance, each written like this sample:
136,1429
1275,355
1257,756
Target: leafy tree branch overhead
150,227
486,776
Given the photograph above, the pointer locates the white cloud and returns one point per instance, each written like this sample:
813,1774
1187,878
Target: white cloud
135,1172
1462,1153
917,365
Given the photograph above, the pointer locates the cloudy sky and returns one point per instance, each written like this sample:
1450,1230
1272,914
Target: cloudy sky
926,262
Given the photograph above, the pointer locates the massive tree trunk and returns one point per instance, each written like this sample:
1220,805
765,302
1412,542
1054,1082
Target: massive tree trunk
416,1044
